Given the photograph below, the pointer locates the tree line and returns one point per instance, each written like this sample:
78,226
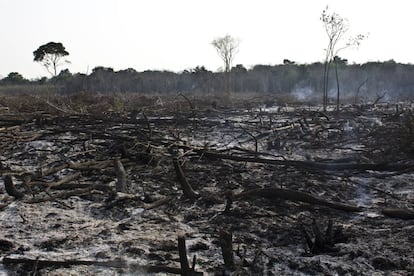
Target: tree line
304,81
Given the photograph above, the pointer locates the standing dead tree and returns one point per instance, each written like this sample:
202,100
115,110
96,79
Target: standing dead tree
186,270
359,89
336,28
226,244
227,48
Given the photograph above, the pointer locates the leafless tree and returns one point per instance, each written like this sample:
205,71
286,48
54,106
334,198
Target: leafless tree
227,47
336,28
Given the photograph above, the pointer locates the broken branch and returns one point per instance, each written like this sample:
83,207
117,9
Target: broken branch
187,189
296,196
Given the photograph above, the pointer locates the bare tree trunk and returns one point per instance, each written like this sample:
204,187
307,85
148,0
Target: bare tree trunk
226,244
325,84
337,86
228,83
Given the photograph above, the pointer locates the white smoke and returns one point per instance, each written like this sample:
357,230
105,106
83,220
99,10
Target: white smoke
302,93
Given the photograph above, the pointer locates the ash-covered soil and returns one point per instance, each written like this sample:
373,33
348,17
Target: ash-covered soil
65,167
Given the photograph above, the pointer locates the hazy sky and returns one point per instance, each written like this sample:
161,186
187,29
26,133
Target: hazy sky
177,34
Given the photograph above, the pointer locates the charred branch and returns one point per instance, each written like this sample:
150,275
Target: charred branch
41,263
187,189
273,193
309,165
10,188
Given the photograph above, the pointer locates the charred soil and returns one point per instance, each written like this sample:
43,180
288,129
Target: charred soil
247,191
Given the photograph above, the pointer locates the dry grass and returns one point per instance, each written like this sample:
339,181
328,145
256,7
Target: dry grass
44,98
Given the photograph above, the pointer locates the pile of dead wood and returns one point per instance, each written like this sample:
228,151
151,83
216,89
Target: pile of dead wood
129,139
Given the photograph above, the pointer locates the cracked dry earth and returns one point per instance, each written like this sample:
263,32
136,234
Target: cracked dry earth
130,232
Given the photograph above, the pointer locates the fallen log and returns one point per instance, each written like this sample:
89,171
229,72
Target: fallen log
47,171
110,264
66,179
398,213
91,165
296,196
119,198
310,165
55,184
5,129
157,203
64,195
47,263
82,166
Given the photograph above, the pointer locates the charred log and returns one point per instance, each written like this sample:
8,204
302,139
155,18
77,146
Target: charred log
292,195
399,213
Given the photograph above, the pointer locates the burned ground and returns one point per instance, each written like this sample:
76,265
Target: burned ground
289,190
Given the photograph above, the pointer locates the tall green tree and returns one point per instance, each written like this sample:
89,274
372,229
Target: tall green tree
50,56
14,78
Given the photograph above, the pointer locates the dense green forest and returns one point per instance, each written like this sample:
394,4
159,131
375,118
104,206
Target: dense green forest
357,82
